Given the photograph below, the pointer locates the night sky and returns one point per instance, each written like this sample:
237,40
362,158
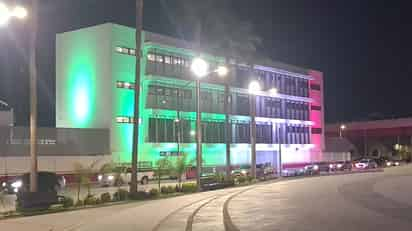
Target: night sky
362,47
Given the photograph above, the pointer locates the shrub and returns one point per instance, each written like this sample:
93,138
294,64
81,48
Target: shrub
140,195
120,195
189,187
79,203
105,197
68,202
249,179
171,189
154,192
241,179
90,200
163,189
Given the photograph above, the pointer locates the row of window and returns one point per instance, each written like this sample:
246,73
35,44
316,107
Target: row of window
183,131
211,101
127,51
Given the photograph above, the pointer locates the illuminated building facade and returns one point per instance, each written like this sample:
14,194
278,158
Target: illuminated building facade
95,89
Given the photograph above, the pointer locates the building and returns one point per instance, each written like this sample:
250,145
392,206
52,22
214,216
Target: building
95,69
377,138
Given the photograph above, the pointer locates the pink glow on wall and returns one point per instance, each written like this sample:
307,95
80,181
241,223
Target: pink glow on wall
316,116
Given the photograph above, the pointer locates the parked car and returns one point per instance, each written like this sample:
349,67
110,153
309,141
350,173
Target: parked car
343,166
16,184
311,169
264,170
390,163
122,175
366,164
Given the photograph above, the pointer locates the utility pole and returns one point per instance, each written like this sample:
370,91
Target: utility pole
253,134
139,26
228,133
33,97
198,137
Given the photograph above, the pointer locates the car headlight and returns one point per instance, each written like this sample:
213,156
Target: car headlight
331,166
16,190
243,172
17,184
340,165
397,163
99,177
3,184
315,167
110,177
388,163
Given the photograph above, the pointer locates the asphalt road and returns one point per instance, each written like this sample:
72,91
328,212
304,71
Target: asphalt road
363,201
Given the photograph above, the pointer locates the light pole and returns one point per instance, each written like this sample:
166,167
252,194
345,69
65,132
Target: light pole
200,68
254,88
342,127
19,12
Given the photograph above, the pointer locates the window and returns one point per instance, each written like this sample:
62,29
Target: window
126,85
151,57
124,50
213,132
316,130
241,134
264,133
315,87
316,108
125,119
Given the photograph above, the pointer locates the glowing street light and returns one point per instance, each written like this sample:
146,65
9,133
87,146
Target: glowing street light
273,92
6,14
199,67
222,71
19,12
341,128
254,87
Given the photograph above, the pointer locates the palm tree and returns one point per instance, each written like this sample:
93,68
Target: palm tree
163,167
135,142
83,174
179,168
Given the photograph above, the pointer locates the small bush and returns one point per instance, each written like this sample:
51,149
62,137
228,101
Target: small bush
140,195
79,203
171,189
68,202
163,189
154,192
241,179
189,187
120,195
249,179
90,200
105,197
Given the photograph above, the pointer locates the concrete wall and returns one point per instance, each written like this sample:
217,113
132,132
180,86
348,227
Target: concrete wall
83,78
58,149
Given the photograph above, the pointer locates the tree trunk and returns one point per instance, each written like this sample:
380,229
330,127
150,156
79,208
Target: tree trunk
33,97
139,26
228,133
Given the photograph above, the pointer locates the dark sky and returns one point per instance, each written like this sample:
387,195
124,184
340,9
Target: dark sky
363,48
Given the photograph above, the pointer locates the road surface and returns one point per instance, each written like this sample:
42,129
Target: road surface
365,201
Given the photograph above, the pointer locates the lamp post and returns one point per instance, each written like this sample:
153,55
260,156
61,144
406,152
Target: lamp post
200,68
342,127
254,88
19,12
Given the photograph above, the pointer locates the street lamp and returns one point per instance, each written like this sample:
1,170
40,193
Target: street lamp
254,88
342,127
200,68
6,13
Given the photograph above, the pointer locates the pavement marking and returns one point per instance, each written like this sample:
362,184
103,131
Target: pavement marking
163,221
189,223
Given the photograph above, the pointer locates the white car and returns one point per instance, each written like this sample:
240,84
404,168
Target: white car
366,164
123,176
